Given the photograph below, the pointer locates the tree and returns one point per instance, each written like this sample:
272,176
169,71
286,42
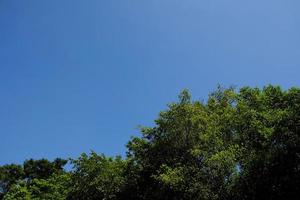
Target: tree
17,178
56,187
97,177
43,168
185,155
268,122
18,192
238,145
9,175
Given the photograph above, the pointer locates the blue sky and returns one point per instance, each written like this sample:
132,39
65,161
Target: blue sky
81,75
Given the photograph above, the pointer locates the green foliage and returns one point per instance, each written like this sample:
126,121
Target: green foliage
33,180
18,192
189,154
237,145
42,169
54,188
97,177
9,175
57,187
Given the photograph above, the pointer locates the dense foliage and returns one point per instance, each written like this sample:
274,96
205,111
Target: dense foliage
236,145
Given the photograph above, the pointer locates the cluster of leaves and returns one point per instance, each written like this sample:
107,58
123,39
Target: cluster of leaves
35,179
237,145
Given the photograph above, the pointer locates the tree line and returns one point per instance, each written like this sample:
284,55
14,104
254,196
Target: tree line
236,145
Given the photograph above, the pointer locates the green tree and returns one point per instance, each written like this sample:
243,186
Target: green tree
97,177
56,187
18,179
18,192
43,168
268,123
238,145
186,156
9,175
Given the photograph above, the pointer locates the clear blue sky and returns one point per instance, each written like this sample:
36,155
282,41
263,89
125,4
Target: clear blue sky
81,75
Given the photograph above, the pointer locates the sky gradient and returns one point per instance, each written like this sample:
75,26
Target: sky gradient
82,75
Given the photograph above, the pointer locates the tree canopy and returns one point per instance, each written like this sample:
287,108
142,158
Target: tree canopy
241,145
